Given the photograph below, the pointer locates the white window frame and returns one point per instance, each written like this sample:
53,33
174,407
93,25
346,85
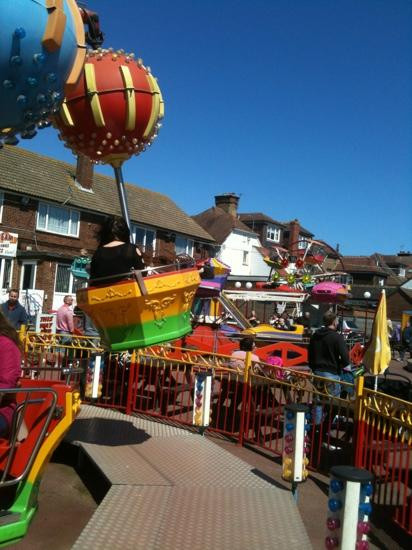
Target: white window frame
189,245
245,257
273,233
1,205
23,265
2,266
71,280
70,210
302,243
135,226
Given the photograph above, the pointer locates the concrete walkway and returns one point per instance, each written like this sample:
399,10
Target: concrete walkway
171,488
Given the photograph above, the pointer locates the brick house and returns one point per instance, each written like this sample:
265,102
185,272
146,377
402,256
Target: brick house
56,210
376,272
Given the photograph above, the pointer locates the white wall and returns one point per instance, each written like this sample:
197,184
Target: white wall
231,253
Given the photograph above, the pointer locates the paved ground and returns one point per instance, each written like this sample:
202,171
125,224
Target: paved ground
65,507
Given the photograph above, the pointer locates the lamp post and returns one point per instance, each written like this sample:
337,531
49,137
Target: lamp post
366,295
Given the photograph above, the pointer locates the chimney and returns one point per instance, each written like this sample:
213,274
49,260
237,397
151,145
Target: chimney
84,172
294,229
228,202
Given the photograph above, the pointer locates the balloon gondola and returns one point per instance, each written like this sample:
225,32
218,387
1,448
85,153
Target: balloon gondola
113,113
141,311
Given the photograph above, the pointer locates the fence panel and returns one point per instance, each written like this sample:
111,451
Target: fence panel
385,449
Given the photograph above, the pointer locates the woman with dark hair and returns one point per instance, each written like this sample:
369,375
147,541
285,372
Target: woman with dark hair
10,370
116,254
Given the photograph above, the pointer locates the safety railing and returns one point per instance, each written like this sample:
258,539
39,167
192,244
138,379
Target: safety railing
331,420
384,447
348,425
48,356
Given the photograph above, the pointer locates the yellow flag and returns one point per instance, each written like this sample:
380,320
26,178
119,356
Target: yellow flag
378,351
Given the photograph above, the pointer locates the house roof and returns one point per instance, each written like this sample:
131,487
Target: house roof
362,264
219,223
302,230
49,179
258,217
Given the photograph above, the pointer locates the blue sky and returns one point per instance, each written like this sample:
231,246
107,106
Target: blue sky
302,107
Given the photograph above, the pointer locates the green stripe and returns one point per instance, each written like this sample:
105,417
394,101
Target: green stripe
121,338
25,507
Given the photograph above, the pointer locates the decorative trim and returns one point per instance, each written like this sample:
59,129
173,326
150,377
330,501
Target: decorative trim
93,94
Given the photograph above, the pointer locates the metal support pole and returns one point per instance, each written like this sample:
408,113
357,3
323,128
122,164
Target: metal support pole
122,196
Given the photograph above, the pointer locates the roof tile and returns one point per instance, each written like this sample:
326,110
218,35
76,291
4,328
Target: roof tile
50,179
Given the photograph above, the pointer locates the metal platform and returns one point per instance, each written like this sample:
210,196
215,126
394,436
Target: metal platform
173,490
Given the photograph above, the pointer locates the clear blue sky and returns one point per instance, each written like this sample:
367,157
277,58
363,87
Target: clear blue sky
303,107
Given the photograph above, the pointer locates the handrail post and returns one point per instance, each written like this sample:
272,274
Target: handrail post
246,378
359,424
129,408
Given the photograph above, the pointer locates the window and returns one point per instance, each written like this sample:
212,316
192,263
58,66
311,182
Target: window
183,245
1,204
245,260
273,233
144,237
28,275
57,219
6,265
65,283
302,244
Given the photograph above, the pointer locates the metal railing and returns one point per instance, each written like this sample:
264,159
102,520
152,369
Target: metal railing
384,447
354,425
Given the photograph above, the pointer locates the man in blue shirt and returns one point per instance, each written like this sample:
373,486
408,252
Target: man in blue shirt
14,311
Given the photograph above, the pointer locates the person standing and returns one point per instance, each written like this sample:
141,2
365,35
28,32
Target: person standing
64,316
10,370
14,311
328,353
406,341
65,327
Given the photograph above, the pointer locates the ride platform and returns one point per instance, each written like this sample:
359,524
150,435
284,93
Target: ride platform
172,488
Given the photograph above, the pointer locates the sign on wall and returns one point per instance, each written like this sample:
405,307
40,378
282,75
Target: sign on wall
8,244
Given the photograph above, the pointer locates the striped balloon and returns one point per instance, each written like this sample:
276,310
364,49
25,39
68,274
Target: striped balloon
115,109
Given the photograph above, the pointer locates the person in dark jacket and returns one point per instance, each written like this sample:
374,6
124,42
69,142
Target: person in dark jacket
406,341
14,311
328,353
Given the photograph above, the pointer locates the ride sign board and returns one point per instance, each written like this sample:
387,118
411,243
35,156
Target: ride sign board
8,244
270,296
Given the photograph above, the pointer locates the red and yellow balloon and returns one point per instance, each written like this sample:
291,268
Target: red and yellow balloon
115,109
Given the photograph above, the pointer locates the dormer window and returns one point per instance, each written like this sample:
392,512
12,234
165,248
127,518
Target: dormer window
58,219
273,233
302,244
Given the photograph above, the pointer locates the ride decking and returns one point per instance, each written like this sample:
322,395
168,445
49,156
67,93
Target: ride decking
171,488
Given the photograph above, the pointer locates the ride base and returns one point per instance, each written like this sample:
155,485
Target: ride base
172,488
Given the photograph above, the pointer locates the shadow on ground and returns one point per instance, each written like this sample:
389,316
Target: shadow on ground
105,431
